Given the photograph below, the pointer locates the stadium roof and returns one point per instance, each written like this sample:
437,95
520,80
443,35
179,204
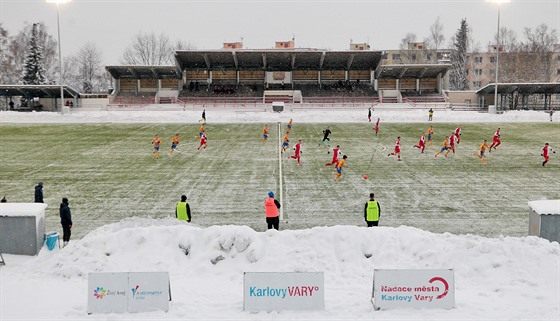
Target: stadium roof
522,88
411,70
139,72
277,59
41,91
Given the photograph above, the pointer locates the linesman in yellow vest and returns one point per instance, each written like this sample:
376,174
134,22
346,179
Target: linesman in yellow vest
372,211
183,210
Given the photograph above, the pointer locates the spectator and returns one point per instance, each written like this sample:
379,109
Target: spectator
551,113
372,211
4,200
183,210
430,114
65,221
39,193
11,104
271,207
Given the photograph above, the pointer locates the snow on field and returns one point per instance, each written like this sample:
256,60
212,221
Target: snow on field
246,115
506,278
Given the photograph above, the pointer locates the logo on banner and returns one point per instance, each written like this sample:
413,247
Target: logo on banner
290,291
141,295
100,293
426,293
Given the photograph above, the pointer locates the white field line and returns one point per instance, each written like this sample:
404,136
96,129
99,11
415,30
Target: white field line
280,172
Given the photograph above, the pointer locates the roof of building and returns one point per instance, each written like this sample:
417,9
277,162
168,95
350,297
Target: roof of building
140,72
547,207
523,88
277,59
399,71
41,91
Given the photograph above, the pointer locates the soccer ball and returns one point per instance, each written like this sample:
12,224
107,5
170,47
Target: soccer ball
365,176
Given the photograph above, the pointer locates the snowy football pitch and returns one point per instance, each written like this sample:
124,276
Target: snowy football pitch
109,173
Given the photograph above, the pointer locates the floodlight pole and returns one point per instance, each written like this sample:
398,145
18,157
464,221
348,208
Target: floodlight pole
60,61
497,60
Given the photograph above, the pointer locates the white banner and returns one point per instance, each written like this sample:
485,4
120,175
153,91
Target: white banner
128,292
413,288
277,291
107,292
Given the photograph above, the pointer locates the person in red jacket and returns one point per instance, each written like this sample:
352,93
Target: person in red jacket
297,152
271,207
495,141
546,153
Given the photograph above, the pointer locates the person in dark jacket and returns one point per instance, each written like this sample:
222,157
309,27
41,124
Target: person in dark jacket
65,221
183,210
39,193
372,211
271,206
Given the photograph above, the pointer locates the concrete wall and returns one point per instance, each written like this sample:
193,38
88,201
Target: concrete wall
462,97
22,235
546,226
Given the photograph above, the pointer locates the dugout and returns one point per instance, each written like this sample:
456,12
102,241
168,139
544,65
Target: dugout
38,97
513,96
544,219
22,228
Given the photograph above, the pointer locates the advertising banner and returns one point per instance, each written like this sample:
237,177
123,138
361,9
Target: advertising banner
128,292
413,288
107,292
148,292
277,291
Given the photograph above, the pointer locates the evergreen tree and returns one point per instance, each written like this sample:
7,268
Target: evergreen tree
33,65
458,74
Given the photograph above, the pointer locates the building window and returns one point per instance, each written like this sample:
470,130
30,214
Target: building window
476,84
478,72
429,57
413,57
396,56
557,71
477,60
492,59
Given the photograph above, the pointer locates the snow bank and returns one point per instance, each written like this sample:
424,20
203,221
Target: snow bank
496,278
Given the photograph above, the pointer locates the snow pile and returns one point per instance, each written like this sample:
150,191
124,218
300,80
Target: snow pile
259,115
496,278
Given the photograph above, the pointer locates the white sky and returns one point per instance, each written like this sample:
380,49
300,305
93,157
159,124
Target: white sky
315,23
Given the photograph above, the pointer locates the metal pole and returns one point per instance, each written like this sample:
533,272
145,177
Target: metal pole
60,61
497,61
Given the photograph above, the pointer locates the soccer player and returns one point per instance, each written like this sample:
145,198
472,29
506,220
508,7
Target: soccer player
377,127
452,141
156,141
483,147
430,133
421,144
289,126
174,142
369,115
546,153
326,138
297,152
203,141
200,131
286,142
495,141
339,166
397,148
444,147
458,134
265,133
430,114
336,152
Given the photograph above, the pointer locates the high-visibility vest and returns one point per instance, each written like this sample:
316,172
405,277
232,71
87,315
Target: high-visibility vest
372,212
182,211
270,207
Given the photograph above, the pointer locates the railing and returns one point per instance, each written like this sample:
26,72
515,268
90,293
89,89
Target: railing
220,101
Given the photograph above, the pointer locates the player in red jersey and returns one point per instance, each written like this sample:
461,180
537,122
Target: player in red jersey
397,148
336,152
546,153
203,140
452,141
458,134
422,143
377,127
495,141
297,152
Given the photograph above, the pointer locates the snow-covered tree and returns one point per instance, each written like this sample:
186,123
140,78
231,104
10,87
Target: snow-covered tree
34,63
458,74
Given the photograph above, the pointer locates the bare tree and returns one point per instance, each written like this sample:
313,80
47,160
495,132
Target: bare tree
508,40
148,49
542,39
409,37
436,37
90,68
4,66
